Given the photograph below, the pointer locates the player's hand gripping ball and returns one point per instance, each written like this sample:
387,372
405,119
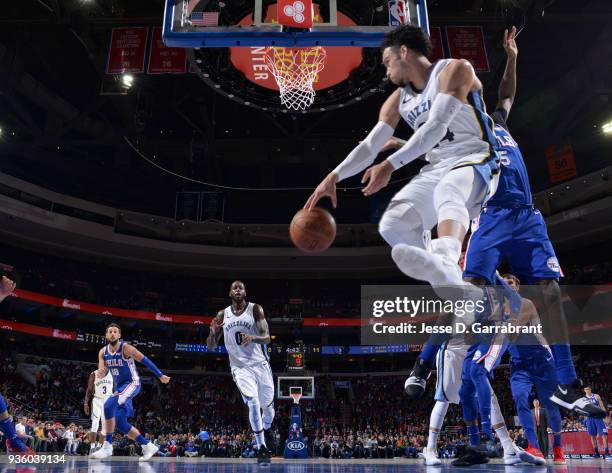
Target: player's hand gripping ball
313,231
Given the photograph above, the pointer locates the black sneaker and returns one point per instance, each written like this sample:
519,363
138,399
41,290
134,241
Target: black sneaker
417,381
570,396
472,456
263,455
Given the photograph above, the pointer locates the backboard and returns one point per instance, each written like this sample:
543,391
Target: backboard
286,385
182,29
229,45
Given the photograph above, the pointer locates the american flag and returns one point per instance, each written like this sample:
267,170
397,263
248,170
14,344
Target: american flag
205,18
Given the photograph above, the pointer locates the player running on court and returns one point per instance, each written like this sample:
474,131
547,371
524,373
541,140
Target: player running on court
13,443
596,427
246,334
100,389
118,357
443,103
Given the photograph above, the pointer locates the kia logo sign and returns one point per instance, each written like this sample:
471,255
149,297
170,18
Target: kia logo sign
296,445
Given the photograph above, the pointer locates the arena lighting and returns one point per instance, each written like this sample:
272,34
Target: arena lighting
127,80
607,128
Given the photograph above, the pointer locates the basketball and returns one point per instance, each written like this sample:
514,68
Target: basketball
313,230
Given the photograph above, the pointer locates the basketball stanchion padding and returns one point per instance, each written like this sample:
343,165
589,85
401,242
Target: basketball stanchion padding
295,447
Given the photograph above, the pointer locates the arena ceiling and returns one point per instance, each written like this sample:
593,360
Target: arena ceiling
62,130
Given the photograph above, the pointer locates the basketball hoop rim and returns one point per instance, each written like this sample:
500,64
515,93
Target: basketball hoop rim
296,397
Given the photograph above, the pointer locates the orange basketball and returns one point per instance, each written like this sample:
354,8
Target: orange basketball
313,231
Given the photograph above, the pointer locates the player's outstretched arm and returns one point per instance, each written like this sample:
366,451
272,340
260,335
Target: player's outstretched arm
102,369
216,331
507,86
131,352
457,79
262,327
89,392
363,155
7,287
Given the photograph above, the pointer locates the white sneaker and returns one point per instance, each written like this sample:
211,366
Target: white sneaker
430,457
104,452
511,458
148,451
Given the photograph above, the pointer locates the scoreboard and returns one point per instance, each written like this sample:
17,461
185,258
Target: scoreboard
296,360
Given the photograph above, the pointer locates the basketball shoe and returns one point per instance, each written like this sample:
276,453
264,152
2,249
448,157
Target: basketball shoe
531,455
570,396
104,452
430,457
558,456
17,446
417,380
148,451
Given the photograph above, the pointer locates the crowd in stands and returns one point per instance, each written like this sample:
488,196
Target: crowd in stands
170,293
353,417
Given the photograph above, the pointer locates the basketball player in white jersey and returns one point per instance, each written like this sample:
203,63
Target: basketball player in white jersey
443,103
101,389
246,334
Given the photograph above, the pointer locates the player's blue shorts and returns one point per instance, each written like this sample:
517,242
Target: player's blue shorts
518,235
596,427
538,371
124,395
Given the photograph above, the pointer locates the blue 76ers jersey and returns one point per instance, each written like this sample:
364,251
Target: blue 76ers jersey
123,370
513,188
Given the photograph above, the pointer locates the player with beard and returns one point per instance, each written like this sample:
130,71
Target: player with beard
246,334
118,358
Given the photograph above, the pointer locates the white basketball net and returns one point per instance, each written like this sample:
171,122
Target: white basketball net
295,71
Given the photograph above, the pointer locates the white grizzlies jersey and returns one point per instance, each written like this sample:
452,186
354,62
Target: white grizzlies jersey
103,387
471,130
235,325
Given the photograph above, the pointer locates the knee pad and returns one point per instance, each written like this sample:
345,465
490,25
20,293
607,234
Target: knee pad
122,424
401,223
110,406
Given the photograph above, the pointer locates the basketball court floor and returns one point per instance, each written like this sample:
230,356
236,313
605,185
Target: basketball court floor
197,465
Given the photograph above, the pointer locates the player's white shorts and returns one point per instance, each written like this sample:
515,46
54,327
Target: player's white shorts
449,363
97,415
420,190
255,381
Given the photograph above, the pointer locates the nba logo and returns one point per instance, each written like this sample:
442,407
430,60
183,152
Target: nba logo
397,13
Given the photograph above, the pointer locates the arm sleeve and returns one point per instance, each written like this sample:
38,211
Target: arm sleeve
443,110
151,366
365,152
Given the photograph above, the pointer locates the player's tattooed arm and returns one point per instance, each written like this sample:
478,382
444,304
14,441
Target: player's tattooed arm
89,392
102,369
6,287
262,327
216,331
132,352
